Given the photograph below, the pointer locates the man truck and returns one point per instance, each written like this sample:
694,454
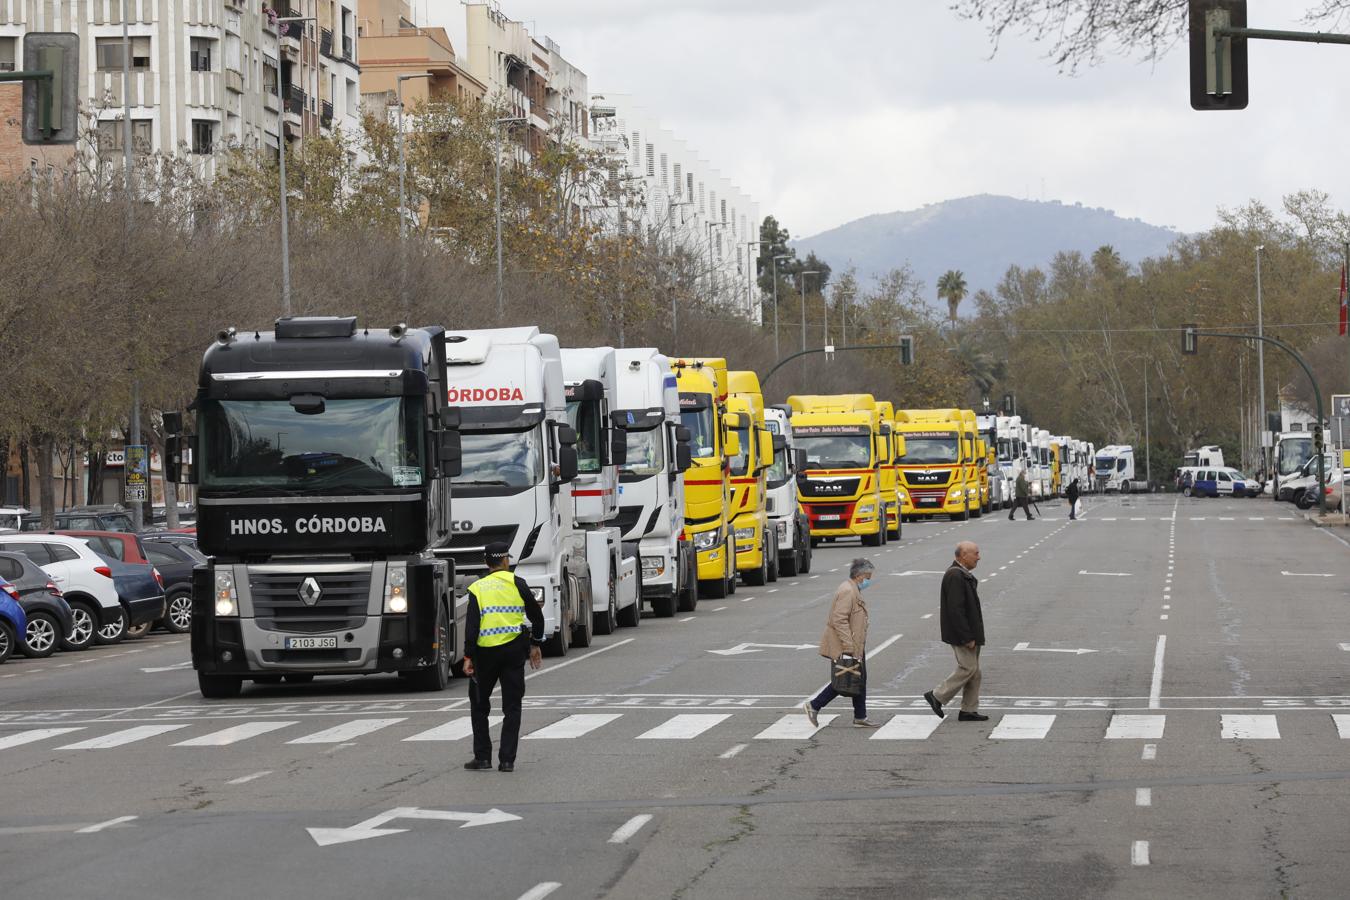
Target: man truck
935,470
756,542
707,484
841,487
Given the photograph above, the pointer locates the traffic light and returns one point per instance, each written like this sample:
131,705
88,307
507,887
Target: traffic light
51,105
906,350
1218,64
1189,338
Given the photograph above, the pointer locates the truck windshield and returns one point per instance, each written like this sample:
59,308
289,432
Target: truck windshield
352,444
700,425
585,418
645,453
1294,452
836,451
927,449
740,463
1005,450
501,459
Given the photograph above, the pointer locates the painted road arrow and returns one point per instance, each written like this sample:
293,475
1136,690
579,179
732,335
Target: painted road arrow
755,648
1027,646
1309,574
370,828
1112,574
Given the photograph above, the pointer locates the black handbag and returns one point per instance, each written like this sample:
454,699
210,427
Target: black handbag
847,676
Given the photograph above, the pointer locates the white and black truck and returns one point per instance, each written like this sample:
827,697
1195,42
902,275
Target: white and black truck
786,515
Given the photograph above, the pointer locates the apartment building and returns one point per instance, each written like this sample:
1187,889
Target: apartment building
204,74
685,199
392,44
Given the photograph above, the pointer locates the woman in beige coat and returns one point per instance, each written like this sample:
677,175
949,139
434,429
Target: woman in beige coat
846,635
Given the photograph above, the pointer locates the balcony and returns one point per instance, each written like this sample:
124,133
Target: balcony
326,114
234,81
296,102
270,99
326,41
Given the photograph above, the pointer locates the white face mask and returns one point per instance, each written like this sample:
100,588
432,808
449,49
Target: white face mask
862,585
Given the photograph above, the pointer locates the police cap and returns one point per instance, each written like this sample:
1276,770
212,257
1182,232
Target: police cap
496,553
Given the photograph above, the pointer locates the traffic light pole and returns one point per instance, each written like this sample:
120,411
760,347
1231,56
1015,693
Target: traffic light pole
1317,395
788,359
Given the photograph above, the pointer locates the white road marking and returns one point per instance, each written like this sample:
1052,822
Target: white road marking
1256,518
92,829
576,659
245,779
1150,752
771,590
1165,605
119,738
1138,519
1155,687
794,727
454,730
1139,853
458,704
28,737
1345,646
1309,574
689,618
683,727
907,728
1022,728
719,609
629,828
1162,618
1143,796
930,615
1261,728
541,890
1111,574
1125,727
234,734
346,731
1342,725
736,748
572,726
746,599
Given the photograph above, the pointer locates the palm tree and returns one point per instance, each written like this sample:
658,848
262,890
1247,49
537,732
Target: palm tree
979,366
952,287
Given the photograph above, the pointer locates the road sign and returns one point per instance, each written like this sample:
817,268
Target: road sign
1218,64
50,104
1340,405
136,474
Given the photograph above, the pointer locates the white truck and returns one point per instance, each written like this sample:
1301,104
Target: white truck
520,459
1115,470
1010,450
1210,456
1039,474
591,385
999,496
651,479
786,515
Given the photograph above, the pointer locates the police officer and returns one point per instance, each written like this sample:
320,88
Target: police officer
497,641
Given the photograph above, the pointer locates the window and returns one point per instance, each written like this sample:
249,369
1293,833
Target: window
637,148
10,569
689,178
7,53
651,164
60,553
36,552
110,548
203,133
109,53
161,555
200,53
679,182
110,136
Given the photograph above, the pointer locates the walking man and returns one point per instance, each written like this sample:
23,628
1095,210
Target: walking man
846,635
1022,501
1072,495
963,628
503,627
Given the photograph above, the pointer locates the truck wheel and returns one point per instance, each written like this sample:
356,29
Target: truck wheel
805,567
714,589
773,561
962,515
605,622
583,630
219,687
435,677
761,575
789,565
687,600
664,607
631,616
731,566
873,540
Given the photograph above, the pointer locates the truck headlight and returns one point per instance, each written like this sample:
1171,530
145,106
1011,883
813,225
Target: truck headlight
866,509
396,588
902,496
227,600
706,540
745,534
954,493
653,566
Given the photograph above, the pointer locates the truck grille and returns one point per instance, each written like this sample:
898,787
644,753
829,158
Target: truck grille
927,479
828,487
466,548
342,604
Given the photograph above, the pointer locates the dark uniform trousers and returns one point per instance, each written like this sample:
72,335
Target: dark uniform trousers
504,663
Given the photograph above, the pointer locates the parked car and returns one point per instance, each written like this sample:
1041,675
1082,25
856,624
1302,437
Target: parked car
13,621
139,586
84,518
175,555
1217,482
49,616
11,517
159,517
85,579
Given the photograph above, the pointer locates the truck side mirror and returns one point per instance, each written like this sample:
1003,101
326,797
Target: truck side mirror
451,454
176,469
618,446
683,434
801,460
173,422
567,464
900,450
567,436
450,418
684,456
732,445
766,447
779,442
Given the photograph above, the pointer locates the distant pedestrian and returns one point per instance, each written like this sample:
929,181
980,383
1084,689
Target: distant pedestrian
1022,496
1072,495
503,627
846,635
963,628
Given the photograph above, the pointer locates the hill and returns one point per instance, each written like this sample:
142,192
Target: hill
982,236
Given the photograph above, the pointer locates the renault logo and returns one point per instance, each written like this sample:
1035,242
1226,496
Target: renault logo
309,591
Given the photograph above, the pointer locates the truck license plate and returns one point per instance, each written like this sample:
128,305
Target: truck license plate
928,501
828,518
311,643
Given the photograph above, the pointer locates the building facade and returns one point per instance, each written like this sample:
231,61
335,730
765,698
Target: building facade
392,44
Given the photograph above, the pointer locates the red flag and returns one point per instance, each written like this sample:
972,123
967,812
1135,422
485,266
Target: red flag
1345,310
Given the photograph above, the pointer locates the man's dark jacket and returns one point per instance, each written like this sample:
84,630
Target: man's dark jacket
962,620
1072,492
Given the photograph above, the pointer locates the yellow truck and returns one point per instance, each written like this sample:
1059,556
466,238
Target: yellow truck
889,469
937,475
756,542
977,478
703,388
841,491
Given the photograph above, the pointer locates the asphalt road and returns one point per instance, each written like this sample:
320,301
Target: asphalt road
1163,679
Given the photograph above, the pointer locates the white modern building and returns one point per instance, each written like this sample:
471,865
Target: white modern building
685,198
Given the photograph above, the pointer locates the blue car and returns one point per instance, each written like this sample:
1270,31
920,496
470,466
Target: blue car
13,621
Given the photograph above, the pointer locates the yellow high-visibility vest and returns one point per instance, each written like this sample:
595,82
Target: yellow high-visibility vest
501,609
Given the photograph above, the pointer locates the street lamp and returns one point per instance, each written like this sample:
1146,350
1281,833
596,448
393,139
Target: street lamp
402,195
775,301
1261,360
497,155
281,170
750,273
802,290
712,279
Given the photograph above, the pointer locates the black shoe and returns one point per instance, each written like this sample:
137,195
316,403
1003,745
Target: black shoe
475,764
937,707
506,767
971,717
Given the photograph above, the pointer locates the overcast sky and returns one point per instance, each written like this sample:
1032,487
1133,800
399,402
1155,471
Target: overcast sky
829,110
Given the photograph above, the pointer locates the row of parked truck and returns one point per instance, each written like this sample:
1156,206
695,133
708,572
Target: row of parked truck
325,457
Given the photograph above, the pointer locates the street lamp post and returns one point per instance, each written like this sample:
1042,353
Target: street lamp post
712,276
802,289
775,301
281,170
497,204
1261,361
750,274
402,194
670,222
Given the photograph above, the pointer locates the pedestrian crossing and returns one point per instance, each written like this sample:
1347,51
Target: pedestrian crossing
725,727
